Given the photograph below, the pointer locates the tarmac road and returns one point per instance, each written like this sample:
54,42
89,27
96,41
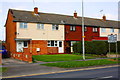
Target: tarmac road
111,72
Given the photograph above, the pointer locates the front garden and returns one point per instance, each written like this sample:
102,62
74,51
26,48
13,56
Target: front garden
59,57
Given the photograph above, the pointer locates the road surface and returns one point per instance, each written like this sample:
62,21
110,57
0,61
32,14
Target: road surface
111,72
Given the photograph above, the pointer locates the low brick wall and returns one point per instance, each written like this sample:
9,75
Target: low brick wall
22,56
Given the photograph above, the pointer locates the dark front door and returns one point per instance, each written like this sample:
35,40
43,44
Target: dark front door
68,47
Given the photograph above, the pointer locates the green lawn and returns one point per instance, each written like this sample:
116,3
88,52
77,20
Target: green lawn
58,57
3,69
76,64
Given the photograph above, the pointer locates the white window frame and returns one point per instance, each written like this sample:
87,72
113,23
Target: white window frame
72,28
55,27
40,26
95,29
103,29
55,43
23,25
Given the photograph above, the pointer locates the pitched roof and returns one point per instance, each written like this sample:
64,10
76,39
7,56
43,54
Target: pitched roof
29,16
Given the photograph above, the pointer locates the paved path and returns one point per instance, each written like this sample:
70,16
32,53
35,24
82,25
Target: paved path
16,67
9,62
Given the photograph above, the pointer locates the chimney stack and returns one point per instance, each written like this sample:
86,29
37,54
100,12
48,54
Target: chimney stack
104,17
36,10
75,14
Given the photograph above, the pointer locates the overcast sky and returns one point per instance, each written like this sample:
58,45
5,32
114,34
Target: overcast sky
91,8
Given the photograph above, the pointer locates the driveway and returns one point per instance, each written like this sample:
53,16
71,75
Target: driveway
16,68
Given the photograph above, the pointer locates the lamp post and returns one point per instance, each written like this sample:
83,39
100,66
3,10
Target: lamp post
83,41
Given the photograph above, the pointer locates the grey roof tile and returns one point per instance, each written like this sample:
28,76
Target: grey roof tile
29,16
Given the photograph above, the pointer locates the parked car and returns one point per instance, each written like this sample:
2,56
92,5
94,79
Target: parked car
3,51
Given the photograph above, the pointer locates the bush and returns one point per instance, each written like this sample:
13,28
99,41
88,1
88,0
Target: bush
113,47
91,47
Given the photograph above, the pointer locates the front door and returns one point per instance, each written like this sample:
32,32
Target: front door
68,47
20,46
60,48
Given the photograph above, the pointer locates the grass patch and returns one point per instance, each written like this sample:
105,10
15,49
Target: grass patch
76,64
58,57
3,69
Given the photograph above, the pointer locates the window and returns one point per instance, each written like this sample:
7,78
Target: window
95,29
103,30
52,43
112,30
23,25
40,26
25,44
85,28
72,28
55,27
60,43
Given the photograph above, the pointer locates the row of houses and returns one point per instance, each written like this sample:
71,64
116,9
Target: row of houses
43,33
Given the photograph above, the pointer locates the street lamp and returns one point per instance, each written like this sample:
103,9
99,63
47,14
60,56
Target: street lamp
83,41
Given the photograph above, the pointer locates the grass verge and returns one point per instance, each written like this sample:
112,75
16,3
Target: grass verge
3,69
59,57
76,64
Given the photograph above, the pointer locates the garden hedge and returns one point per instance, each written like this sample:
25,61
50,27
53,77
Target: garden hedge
95,47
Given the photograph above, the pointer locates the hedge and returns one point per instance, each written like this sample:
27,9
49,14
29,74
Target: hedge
95,47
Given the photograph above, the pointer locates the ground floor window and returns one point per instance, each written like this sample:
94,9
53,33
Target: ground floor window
53,43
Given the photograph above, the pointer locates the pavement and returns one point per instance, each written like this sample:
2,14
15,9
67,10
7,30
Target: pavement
17,67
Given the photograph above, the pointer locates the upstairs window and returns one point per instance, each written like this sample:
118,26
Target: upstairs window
112,30
72,28
40,26
103,29
23,25
55,27
95,29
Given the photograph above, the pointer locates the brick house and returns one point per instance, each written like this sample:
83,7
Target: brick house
35,33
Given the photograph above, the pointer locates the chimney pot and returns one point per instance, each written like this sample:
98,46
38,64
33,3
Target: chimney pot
75,14
36,10
104,18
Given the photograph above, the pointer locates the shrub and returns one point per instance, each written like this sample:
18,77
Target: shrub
91,47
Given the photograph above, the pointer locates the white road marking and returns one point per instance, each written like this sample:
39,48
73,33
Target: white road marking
106,77
102,78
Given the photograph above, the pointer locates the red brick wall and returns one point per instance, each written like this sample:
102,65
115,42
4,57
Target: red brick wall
42,44
22,56
10,33
73,35
52,49
77,34
89,34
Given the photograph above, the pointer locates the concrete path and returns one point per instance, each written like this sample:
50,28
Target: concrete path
16,68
